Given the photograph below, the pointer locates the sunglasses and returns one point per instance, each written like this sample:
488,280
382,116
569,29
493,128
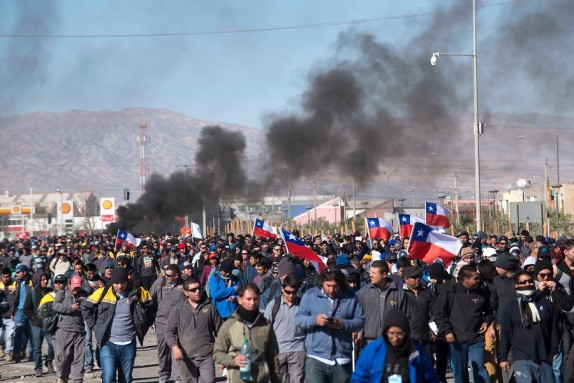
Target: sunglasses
194,290
170,275
525,282
290,292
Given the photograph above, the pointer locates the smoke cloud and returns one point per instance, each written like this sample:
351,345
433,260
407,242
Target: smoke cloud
218,175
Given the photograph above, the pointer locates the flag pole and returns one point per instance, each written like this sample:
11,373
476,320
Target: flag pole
116,243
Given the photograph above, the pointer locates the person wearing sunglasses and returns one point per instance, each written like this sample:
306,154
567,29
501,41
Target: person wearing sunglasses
281,313
550,289
528,329
166,292
190,334
394,357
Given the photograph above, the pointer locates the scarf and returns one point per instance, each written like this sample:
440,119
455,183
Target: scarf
247,315
528,312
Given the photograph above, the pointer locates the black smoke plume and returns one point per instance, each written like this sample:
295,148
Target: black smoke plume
217,176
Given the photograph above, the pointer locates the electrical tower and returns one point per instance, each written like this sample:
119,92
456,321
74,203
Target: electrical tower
142,139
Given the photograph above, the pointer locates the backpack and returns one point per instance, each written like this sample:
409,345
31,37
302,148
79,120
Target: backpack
277,306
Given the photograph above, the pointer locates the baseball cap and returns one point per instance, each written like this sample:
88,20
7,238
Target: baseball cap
75,281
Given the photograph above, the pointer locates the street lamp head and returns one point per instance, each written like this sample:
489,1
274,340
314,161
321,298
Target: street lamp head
434,58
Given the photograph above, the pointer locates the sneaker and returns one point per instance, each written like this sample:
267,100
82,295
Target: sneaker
38,373
89,369
8,358
60,380
50,367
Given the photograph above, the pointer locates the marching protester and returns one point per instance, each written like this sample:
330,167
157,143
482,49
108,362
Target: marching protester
281,312
190,334
248,328
394,357
70,335
119,314
463,314
329,314
529,327
166,292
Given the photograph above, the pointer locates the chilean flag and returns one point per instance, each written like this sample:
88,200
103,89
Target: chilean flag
262,228
428,245
296,247
437,216
379,228
130,240
406,222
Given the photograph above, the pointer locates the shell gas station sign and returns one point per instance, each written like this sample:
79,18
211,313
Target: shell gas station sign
107,210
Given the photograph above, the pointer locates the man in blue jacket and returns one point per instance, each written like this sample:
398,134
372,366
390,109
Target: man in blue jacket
223,286
329,314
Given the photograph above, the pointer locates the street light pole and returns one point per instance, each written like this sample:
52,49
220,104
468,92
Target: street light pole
477,127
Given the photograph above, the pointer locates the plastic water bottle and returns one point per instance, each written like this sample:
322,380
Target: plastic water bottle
245,371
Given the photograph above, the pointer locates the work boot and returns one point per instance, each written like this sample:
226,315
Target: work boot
8,357
38,373
2,353
50,367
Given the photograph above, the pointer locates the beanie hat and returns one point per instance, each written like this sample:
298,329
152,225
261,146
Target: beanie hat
506,261
541,265
119,275
226,265
343,260
436,271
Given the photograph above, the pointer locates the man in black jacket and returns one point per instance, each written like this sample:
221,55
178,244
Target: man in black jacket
419,307
463,314
529,327
502,292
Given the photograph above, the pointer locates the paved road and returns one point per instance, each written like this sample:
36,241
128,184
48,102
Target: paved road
145,370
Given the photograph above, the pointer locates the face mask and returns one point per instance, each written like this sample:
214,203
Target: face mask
526,290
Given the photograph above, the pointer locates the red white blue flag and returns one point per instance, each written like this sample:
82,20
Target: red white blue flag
406,222
297,247
379,228
437,216
428,245
262,228
130,240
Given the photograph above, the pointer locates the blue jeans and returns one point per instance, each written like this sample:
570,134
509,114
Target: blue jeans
21,334
460,354
89,353
37,338
117,358
527,371
319,372
8,329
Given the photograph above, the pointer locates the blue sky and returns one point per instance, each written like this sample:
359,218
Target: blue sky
235,77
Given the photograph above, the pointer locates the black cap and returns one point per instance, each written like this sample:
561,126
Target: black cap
119,275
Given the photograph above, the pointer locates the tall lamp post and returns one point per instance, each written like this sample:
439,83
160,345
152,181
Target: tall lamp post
478,127
556,189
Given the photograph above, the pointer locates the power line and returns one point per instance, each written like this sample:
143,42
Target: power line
237,31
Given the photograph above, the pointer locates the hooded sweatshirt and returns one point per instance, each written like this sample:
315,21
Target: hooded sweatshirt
33,299
380,360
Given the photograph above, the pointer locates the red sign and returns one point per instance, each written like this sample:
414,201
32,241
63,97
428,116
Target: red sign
108,218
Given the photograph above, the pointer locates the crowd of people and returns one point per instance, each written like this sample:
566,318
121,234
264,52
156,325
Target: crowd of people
501,310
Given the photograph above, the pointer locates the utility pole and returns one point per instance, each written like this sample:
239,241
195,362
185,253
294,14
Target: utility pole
315,198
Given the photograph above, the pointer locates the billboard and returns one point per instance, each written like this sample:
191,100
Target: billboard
107,210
